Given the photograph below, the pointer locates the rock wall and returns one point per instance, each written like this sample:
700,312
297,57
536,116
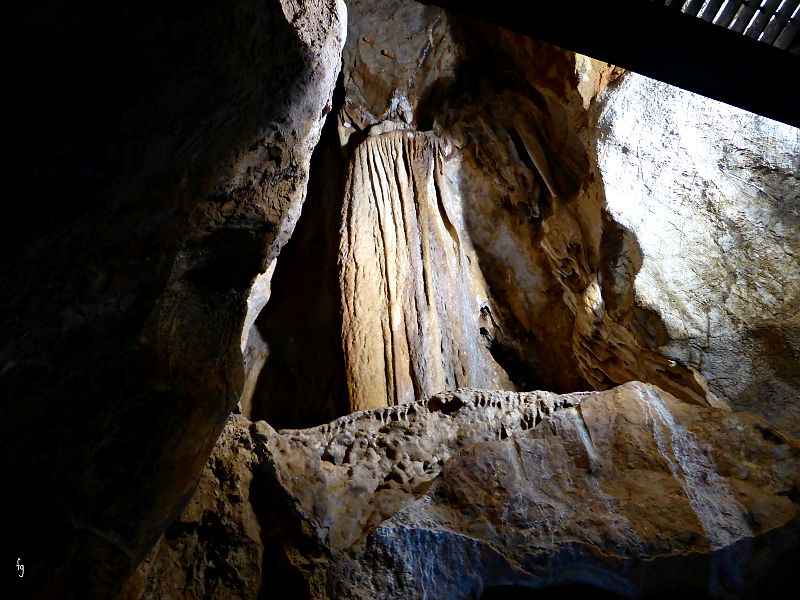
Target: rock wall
709,198
159,163
473,252
516,118
629,491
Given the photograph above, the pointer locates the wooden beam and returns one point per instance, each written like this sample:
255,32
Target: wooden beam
762,20
729,12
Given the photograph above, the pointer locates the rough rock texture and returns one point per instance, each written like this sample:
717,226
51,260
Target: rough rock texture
506,120
216,543
709,196
159,164
628,490
497,280
415,306
302,383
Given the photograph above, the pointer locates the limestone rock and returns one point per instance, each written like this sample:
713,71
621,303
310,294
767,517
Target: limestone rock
160,162
217,538
709,199
516,180
357,471
415,306
631,492
628,490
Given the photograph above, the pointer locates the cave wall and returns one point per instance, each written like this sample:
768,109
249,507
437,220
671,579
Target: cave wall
505,174
159,161
463,158
710,194
629,491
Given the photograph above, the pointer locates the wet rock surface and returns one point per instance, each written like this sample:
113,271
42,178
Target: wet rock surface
629,491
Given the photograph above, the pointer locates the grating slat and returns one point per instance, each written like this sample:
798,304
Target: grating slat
762,19
711,10
774,22
745,16
777,25
729,12
693,7
788,35
677,4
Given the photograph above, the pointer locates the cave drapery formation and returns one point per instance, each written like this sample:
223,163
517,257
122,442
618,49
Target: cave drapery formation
507,344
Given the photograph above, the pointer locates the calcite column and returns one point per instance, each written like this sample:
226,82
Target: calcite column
414,302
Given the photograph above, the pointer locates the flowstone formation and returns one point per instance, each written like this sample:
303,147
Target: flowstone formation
630,491
416,307
472,244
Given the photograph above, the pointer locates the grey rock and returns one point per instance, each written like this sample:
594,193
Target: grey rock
712,195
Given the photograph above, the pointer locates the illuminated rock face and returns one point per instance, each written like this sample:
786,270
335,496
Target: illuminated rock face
464,181
710,194
628,490
415,307
474,238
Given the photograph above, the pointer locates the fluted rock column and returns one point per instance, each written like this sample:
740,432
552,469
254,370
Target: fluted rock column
416,319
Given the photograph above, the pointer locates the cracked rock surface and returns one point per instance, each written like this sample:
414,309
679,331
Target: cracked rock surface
627,490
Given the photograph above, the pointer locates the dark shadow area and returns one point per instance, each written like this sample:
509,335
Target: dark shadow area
282,527
302,383
621,260
559,592
709,60
120,120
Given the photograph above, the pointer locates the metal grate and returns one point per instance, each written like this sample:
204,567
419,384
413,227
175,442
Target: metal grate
774,22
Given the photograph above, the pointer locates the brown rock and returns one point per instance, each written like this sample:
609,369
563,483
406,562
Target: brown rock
217,539
513,167
629,490
708,196
414,300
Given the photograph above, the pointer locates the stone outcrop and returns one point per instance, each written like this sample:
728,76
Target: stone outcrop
629,491
160,159
709,199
